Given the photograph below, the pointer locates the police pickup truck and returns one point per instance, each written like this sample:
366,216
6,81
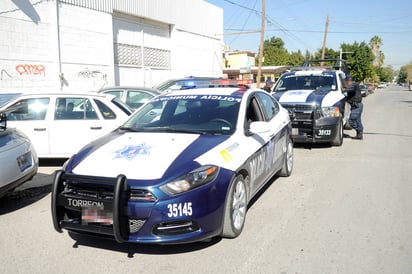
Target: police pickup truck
316,102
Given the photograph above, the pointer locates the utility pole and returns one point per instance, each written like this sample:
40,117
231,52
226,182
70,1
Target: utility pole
324,38
262,42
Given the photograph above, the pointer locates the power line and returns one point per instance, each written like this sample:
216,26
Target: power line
322,31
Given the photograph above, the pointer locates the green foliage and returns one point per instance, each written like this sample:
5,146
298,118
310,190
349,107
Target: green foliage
274,52
360,58
385,74
405,73
329,54
296,59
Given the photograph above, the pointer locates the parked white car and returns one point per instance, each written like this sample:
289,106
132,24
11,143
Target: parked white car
18,158
59,124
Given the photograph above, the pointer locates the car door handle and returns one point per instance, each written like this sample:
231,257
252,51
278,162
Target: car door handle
39,129
96,128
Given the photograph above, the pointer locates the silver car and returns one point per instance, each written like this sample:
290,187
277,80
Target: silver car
18,158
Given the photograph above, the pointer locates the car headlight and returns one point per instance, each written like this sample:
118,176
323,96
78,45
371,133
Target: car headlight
330,111
191,180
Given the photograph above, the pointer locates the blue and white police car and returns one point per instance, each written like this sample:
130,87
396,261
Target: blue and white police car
315,99
182,169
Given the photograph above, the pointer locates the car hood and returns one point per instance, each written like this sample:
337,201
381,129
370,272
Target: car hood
319,97
11,138
143,155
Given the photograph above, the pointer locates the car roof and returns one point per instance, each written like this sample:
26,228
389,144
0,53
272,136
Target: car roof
130,87
167,83
310,72
219,91
37,94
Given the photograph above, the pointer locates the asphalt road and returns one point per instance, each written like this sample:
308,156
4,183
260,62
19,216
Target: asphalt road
344,210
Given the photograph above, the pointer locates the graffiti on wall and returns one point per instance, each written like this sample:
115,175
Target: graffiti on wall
4,74
31,69
91,74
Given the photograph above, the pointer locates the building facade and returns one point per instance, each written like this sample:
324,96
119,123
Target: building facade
84,45
239,65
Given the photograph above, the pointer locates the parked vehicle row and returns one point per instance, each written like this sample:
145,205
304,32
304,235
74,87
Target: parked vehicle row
185,164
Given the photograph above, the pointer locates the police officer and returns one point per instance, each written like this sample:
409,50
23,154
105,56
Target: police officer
269,85
354,98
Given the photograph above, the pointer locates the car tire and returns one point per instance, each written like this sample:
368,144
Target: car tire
338,140
235,208
287,167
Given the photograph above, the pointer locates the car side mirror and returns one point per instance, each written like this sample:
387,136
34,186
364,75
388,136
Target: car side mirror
259,127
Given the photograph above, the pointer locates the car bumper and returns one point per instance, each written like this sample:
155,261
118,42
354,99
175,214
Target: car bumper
21,180
194,216
323,130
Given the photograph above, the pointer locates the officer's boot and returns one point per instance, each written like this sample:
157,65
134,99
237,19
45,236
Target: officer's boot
359,135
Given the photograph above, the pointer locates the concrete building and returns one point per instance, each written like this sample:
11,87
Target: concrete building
72,45
240,65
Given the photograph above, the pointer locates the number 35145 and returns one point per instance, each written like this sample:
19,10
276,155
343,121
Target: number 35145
179,209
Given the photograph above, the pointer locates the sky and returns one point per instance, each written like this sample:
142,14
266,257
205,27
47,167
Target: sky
301,25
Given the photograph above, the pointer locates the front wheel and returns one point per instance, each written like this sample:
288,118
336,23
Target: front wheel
235,208
338,140
287,167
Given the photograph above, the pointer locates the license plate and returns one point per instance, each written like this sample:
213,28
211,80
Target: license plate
24,161
295,131
96,214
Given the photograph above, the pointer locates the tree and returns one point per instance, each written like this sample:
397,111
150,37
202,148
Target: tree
274,52
405,73
360,60
385,74
296,59
375,44
329,54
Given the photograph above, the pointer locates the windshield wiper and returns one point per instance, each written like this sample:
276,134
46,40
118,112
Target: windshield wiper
129,129
176,130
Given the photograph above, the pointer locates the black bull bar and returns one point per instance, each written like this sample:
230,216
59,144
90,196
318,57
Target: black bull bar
119,201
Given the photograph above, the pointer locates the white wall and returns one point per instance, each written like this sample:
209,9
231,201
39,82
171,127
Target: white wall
86,45
31,57
26,50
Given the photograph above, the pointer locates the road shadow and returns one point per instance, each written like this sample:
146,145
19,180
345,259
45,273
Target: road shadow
132,249
30,192
311,146
52,161
387,134
16,200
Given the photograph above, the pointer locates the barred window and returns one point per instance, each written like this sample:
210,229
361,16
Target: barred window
125,54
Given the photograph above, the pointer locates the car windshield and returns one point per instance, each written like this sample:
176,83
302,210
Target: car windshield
7,97
310,82
198,114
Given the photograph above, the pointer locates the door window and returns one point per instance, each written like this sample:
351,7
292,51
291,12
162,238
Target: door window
136,98
269,105
107,112
29,109
68,108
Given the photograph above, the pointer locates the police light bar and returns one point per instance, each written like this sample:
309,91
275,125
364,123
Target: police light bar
231,82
